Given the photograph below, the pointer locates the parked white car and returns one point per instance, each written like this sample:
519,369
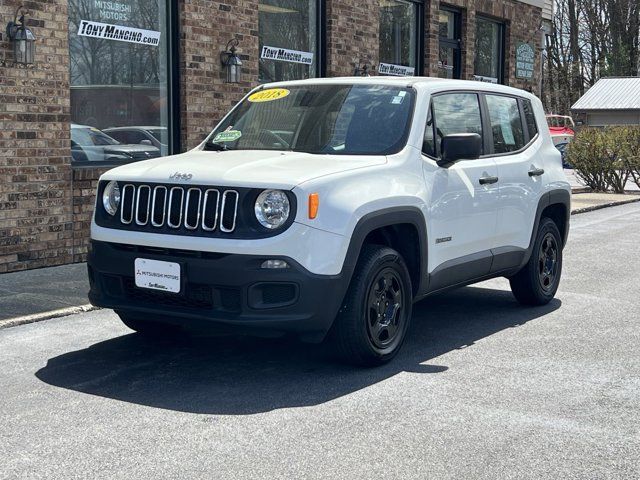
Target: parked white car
326,207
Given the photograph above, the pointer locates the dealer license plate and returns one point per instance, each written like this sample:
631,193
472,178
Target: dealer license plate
157,275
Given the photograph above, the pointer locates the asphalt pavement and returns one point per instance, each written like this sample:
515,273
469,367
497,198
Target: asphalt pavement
484,388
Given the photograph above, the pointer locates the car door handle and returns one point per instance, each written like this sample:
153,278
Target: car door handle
488,180
536,172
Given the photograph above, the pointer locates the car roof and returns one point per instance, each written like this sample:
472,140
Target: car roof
433,84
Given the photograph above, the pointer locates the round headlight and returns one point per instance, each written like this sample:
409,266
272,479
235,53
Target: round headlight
111,198
272,208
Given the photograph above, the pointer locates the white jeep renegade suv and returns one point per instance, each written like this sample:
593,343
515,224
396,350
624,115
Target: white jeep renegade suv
327,207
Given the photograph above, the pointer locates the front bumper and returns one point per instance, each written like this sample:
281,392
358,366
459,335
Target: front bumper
228,292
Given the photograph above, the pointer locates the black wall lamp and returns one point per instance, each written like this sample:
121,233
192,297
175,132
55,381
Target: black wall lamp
232,62
363,70
24,41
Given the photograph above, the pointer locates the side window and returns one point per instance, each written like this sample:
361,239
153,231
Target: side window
120,136
530,118
456,113
428,144
506,124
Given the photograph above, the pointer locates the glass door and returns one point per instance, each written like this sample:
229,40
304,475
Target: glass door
449,54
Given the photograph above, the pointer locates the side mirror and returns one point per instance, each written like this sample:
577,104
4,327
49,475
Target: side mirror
460,146
146,142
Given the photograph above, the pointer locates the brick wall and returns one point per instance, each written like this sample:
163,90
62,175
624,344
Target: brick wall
352,35
206,27
35,200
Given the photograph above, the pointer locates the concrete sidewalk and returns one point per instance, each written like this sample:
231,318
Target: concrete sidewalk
41,290
33,292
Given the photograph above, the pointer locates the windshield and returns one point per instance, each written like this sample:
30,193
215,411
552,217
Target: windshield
89,137
335,119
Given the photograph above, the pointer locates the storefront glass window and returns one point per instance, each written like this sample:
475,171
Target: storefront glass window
288,39
119,107
489,50
398,37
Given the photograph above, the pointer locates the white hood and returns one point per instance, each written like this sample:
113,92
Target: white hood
242,168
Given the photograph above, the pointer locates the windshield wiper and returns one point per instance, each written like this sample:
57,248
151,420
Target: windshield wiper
216,147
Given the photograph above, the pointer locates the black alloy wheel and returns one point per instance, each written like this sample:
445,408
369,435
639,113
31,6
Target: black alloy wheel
372,323
537,282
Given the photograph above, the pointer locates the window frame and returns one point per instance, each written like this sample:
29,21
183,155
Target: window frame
487,136
483,120
529,140
172,65
420,33
455,44
320,56
501,44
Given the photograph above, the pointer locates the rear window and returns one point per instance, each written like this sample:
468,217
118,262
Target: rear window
506,124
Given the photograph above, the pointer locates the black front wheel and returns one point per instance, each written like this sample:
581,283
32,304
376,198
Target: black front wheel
373,320
537,282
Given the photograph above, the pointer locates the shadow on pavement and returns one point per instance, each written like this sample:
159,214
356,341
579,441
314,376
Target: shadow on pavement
238,376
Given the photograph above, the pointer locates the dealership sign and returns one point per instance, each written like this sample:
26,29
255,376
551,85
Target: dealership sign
397,70
91,29
113,10
525,60
284,55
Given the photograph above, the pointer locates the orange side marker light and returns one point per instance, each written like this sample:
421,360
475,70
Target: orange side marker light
314,203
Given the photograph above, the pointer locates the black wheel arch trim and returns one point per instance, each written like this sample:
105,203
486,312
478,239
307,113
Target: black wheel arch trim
552,197
388,217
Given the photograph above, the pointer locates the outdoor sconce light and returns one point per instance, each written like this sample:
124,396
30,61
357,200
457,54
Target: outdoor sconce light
24,42
232,62
363,71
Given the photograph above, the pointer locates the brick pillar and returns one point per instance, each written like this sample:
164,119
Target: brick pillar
352,35
205,28
35,155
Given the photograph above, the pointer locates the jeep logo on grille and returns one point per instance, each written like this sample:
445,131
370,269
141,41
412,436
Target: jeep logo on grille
181,176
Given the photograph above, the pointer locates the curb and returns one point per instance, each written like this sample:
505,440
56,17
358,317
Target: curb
38,317
604,205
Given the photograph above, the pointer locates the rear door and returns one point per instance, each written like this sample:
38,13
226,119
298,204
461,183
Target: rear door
515,146
463,206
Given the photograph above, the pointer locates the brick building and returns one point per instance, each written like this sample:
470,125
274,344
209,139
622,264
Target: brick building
157,64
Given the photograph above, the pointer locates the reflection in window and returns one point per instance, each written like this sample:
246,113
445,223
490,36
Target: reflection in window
398,39
489,49
290,25
116,83
456,113
321,119
506,124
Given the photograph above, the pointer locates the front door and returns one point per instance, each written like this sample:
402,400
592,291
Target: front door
462,199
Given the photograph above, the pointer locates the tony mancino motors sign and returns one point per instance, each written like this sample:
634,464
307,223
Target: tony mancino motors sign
107,31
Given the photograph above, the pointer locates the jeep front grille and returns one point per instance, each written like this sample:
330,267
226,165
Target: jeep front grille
195,208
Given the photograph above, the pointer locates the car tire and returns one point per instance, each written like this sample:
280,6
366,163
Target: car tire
148,328
372,323
537,282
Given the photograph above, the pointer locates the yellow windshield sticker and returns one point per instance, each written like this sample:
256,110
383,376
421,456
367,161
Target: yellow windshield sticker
268,95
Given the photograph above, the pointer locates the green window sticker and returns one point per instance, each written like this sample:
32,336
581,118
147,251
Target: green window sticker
228,136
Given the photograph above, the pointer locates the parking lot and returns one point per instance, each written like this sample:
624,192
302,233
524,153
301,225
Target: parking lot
483,388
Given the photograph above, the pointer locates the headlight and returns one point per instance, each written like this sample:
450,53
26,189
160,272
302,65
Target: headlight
272,208
111,198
